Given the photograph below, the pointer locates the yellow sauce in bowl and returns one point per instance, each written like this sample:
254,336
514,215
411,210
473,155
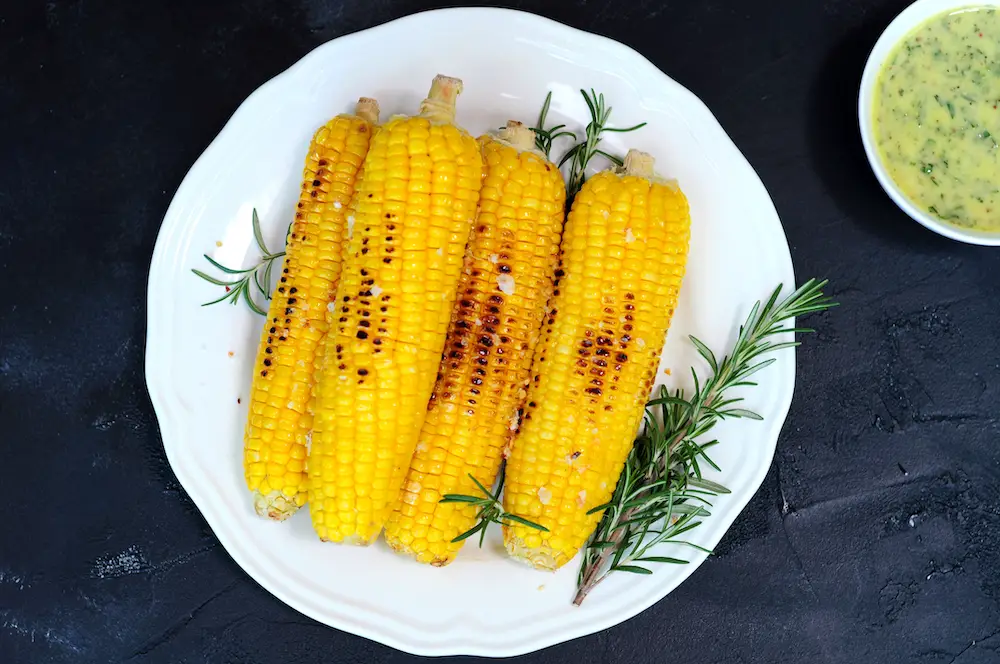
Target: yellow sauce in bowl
936,117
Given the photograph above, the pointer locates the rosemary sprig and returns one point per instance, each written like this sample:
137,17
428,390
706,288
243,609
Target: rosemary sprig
240,287
661,494
545,137
490,509
579,155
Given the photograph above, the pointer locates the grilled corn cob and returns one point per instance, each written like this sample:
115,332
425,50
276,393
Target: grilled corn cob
274,452
413,210
622,259
507,279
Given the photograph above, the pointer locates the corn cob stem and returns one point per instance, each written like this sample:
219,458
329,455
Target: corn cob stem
519,137
367,109
439,106
639,164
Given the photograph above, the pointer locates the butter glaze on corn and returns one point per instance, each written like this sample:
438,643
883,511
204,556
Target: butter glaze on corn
410,219
622,259
507,279
275,439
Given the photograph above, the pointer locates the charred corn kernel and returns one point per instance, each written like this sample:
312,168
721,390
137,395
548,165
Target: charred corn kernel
279,421
622,259
414,206
509,266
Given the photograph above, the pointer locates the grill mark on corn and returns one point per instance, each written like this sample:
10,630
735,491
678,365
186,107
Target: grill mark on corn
590,382
290,344
488,336
382,247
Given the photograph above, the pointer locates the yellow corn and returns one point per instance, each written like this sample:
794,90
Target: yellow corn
622,258
507,279
411,216
274,452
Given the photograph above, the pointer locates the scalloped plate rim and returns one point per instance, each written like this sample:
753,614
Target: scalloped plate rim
168,408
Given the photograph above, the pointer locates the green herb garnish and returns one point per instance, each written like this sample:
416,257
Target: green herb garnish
579,155
661,494
490,509
240,287
545,137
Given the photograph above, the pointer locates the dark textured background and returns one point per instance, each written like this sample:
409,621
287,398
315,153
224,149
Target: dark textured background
875,537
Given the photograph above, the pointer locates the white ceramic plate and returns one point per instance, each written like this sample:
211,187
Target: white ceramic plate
198,359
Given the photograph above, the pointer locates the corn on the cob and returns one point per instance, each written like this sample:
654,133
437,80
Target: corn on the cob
274,452
507,280
622,260
415,203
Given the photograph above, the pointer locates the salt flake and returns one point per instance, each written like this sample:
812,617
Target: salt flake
505,283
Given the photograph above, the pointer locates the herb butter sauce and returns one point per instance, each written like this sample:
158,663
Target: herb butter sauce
936,117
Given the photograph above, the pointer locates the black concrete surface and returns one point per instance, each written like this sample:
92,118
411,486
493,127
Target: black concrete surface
875,537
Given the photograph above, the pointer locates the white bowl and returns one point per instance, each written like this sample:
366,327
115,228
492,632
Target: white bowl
910,18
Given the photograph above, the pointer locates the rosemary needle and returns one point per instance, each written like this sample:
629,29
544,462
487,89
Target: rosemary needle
490,509
545,137
579,155
239,288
